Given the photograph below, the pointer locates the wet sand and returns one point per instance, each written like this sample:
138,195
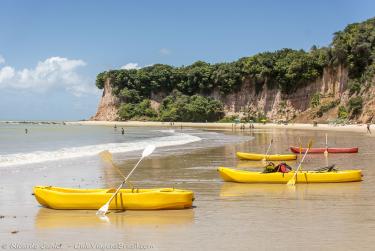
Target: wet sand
225,215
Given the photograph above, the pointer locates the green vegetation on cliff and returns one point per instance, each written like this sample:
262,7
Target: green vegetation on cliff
175,107
285,69
196,108
355,48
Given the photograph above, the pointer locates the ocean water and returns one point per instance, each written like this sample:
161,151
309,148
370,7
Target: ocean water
58,143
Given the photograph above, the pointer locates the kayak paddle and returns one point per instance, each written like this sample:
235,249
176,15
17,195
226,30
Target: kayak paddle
326,150
146,152
292,181
106,156
268,149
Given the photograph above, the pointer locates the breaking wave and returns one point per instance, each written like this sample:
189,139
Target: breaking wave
90,150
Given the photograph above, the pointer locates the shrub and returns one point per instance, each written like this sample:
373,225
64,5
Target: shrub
354,87
126,111
325,108
129,95
100,79
197,108
315,100
342,113
355,105
229,119
142,109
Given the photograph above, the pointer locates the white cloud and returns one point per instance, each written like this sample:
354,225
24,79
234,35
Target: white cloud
165,51
54,72
2,59
130,66
6,73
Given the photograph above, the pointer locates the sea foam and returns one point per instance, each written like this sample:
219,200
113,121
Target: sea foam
90,150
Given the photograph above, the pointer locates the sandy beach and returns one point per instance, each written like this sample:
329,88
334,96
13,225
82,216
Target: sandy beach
315,215
359,128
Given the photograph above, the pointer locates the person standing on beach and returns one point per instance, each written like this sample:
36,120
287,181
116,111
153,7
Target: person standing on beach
368,128
122,131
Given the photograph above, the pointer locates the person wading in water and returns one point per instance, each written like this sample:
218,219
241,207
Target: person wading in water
122,131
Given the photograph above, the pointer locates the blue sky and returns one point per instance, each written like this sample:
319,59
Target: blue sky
51,51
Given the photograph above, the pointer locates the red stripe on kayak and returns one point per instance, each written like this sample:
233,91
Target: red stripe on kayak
330,150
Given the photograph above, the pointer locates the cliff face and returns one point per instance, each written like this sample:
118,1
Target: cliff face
368,113
272,103
276,105
108,105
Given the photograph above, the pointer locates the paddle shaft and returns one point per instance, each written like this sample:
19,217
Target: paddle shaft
127,177
300,164
107,156
269,147
326,150
326,142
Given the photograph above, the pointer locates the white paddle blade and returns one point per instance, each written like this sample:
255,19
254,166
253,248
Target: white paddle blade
103,210
148,150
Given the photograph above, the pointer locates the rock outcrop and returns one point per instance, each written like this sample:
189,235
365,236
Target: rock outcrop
108,106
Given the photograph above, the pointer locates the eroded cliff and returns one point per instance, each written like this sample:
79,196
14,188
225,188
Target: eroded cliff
276,105
108,105
272,103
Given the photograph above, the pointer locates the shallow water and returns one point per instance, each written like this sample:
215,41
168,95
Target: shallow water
225,215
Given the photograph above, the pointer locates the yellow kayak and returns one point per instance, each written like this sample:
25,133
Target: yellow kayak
272,157
139,199
228,174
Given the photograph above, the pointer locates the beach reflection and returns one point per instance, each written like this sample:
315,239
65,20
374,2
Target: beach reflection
303,191
49,218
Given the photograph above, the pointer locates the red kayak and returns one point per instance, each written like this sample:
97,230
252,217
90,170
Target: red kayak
330,150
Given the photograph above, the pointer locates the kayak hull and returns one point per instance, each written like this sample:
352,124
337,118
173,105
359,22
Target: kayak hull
271,157
322,150
126,199
241,176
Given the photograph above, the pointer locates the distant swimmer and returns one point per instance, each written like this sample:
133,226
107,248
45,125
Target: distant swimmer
122,131
115,127
26,131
